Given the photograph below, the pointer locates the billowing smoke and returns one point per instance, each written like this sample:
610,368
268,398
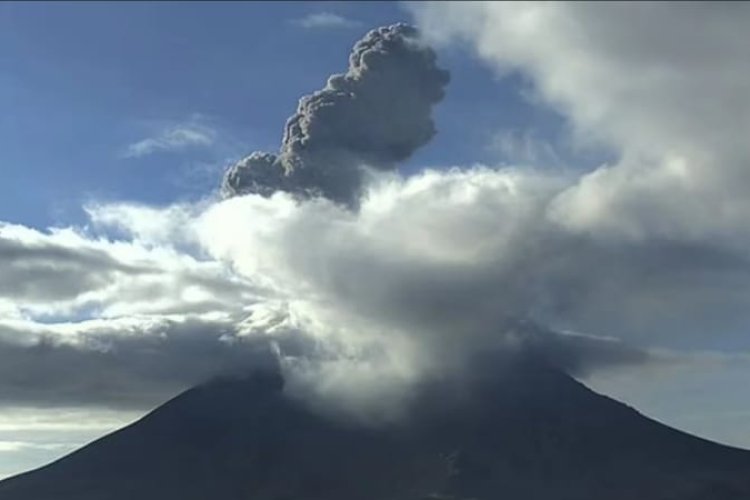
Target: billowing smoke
373,116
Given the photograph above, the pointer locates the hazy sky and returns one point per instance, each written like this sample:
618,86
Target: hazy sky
588,179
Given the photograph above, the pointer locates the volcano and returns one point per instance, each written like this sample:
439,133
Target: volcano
524,431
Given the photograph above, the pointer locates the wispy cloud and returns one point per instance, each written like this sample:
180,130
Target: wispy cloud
6,446
524,147
174,138
326,20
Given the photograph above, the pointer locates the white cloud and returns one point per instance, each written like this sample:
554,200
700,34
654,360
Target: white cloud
126,322
430,270
65,271
174,138
460,251
524,147
395,279
6,446
326,20
665,86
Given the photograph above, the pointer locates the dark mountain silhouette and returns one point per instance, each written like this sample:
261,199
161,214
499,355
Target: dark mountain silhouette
523,432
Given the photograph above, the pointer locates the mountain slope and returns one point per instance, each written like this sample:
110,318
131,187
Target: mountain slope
527,432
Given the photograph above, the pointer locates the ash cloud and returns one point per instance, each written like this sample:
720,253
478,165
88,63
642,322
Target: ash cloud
373,116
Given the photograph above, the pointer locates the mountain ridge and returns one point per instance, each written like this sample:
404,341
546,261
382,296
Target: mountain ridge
526,431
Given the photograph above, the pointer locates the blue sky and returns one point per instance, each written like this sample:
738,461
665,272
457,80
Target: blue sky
81,82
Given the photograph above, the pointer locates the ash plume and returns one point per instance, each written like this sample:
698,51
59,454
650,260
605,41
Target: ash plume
373,116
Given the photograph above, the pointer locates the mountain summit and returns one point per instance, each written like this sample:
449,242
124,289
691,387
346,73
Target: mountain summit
523,432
